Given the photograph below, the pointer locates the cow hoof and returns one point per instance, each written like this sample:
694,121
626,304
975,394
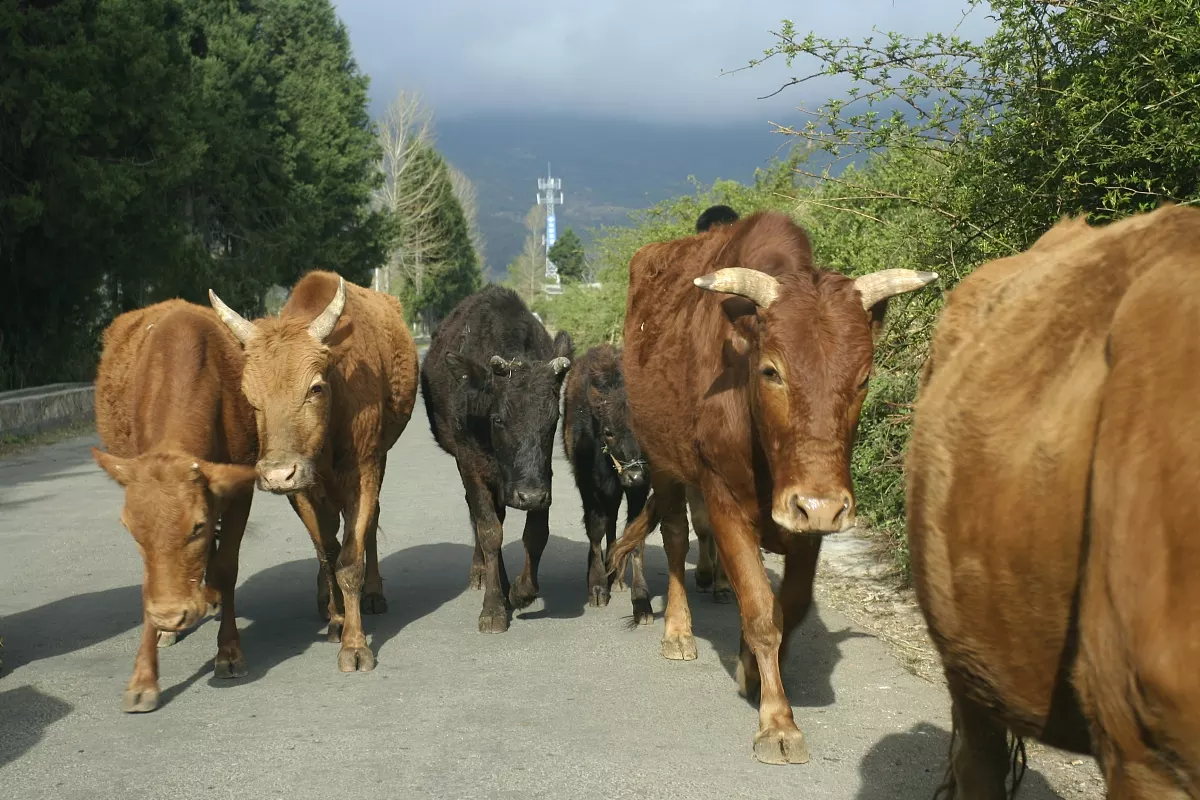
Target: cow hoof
334,634
356,659
642,613
774,746
598,597
229,665
722,596
679,648
167,638
140,701
493,622
373,603
521,595
323,608
475,581
619,585
704,581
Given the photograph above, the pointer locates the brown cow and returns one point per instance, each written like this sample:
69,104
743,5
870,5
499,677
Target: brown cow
1052,504
750,390
332,381
171,414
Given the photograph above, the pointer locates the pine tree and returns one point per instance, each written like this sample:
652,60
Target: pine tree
567,254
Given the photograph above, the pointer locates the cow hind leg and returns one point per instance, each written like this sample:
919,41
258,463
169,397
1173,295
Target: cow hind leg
710,575
537,533
373,601
678,643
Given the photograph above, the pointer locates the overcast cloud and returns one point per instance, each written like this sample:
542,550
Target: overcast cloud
644,59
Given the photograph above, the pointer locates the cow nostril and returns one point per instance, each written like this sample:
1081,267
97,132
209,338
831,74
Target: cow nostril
798,505
291,473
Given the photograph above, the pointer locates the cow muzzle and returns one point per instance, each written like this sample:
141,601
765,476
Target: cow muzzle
799,511
529,499
175,615
285,476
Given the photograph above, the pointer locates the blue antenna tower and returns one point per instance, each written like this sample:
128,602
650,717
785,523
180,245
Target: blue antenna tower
549,195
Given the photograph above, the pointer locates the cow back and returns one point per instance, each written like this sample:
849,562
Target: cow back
999,464
170,378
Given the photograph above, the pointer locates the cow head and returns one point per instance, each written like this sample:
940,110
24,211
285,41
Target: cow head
172,503
807,341
609,404
520,401
286,379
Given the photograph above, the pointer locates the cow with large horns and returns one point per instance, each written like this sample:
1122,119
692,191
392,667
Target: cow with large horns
746,369
333,381
1052,505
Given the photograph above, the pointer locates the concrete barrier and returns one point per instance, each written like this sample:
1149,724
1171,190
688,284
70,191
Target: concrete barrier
42,408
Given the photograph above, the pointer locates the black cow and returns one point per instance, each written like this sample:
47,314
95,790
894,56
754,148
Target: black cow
607,464
491,385
716,215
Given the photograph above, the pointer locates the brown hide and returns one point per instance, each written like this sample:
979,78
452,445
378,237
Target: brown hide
170,412
333,389
695,379
1026,446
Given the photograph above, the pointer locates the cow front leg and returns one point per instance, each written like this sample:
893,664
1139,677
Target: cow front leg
142,693
373,601
535,536
223,566
635,500
355,656
779,740
599,517
488,523
320,519
678,643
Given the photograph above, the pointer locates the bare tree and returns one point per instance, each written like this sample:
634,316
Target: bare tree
468,198
405,128
527,273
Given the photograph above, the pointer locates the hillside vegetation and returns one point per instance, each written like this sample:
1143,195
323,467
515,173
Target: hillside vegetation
1070,107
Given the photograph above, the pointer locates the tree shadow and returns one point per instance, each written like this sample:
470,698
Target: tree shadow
913,764
49,462
27,713
70,624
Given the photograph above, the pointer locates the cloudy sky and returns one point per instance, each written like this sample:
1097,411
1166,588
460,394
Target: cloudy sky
654,60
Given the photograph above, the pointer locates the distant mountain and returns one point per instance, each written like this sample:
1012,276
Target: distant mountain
608,167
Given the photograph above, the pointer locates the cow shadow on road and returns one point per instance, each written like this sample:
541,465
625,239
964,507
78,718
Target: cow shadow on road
913,764
70,624
27,713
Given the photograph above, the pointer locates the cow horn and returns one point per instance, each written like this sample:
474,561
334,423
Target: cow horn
760,287
323,325
238,325
890,282
560,364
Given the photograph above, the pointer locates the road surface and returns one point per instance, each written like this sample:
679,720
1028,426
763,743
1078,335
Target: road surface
570,703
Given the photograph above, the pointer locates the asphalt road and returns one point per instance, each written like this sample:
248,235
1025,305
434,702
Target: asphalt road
570,703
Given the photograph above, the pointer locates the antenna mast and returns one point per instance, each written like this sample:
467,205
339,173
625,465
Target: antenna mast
549,195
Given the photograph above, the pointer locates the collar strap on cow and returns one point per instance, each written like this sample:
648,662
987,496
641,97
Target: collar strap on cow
621,466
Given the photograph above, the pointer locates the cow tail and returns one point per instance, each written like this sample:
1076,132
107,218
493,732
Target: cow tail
1018,763
948,790
634,537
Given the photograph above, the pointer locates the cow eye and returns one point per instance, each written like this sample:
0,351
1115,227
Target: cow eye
316,388
608,433
496,420
863,386
197,531
770,373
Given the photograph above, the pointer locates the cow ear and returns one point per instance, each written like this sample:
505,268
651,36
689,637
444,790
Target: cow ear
875,315
119,469
228,480
466,369
563,346
594,396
